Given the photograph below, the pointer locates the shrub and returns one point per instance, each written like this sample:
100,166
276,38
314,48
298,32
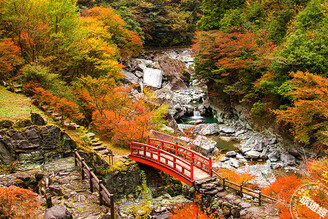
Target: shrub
16,202
6,123
22,123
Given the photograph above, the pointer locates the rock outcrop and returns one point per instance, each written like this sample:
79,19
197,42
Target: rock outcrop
34,144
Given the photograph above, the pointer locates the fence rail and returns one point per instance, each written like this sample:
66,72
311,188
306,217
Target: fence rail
242,190
105,198
197,159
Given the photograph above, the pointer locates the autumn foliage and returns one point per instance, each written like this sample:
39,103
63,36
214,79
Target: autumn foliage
16,202
115,114
284,188
65,108
9,54
234,176
308,115
189,211
234,60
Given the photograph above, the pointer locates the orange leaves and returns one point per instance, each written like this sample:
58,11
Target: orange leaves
9,54
16,202
189,211
128,41
309,114
235,176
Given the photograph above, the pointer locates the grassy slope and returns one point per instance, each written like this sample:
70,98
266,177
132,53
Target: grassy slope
15,106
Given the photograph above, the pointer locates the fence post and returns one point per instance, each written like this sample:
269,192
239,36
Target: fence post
210,166
260,195
176,148
174,163
131,145
192,157
144,149
192,171
241,190
158,157
161,145
223,183
101,201
82,171
112,212
91,186
148,140
75,157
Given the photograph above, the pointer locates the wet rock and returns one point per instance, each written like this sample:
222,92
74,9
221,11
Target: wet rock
152,77
58,212
227,130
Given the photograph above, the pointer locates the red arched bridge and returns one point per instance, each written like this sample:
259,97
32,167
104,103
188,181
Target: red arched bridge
180,162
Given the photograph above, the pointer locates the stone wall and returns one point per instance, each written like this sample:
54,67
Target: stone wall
34,144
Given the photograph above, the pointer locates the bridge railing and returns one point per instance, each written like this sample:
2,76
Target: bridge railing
244,190
197,159
165,158
95,184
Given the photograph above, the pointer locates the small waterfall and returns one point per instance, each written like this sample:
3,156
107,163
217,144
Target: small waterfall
197,115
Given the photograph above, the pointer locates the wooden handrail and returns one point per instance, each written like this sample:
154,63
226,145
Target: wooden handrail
148,151
196,158
258,195
104,196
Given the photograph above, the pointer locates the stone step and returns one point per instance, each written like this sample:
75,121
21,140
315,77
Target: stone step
104,152
215,191
91,135
206,180
58,118
94,140
96,144
98,148
18,91
18,86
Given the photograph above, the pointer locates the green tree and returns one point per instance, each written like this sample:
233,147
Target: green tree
214,10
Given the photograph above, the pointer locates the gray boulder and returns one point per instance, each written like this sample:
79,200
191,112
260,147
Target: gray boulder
58,212
206,145
130,77
49,137
274,156
227,130
231,154
288,159
210,129
37,119
252,154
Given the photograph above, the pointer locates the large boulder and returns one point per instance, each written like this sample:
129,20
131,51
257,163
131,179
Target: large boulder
49,137
6,157
210,129
37,119
205,145
152,77
58,212
288,159
274,156
130,77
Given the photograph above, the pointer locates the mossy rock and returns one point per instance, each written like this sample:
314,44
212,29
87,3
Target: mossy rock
22,123
6,123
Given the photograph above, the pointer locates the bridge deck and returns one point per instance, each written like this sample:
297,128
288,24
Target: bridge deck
180,162
198,173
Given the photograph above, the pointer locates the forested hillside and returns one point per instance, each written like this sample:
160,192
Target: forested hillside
271,54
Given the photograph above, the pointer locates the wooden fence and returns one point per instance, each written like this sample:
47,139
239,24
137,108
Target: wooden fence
244,190
105,198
